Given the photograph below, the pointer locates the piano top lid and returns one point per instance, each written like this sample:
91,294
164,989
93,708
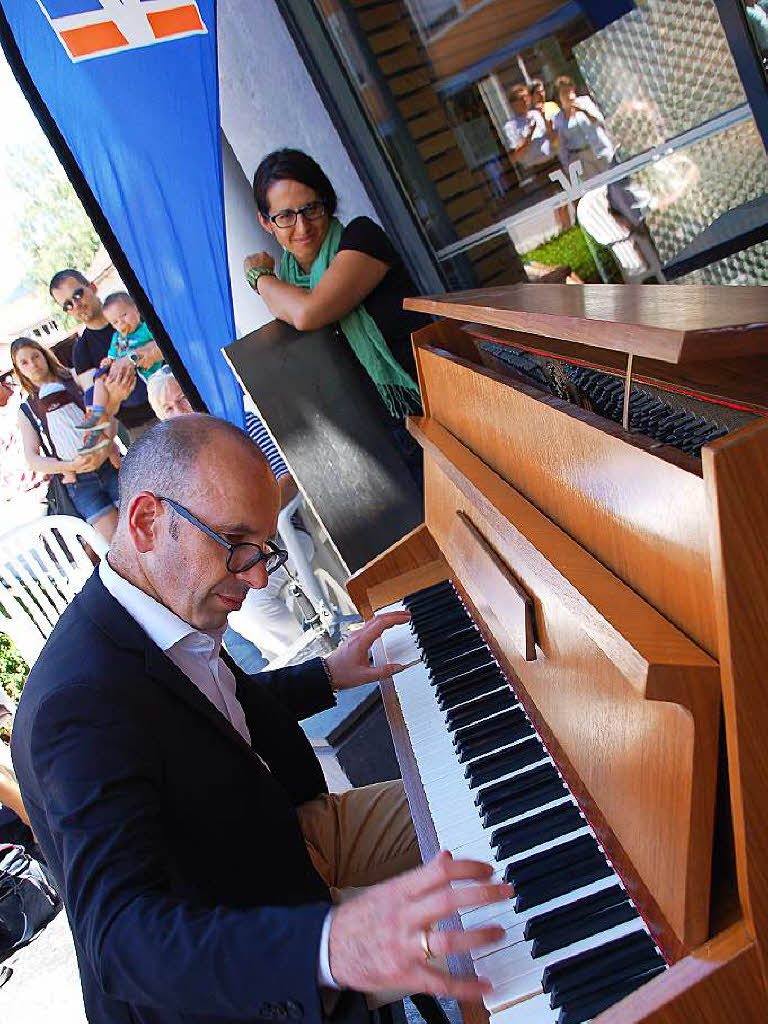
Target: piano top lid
672,323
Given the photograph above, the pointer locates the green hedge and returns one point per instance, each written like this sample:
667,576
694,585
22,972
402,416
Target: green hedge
571,249
13,668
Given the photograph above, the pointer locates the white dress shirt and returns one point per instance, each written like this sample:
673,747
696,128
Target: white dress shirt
197,655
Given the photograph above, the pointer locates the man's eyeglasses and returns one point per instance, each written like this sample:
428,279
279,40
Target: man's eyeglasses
69,304
241,557
287,218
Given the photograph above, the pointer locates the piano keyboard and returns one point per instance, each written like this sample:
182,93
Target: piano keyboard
574,942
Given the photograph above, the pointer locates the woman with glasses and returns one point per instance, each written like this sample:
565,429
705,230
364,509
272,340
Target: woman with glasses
351,276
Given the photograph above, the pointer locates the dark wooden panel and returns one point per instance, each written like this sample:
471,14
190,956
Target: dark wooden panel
330,425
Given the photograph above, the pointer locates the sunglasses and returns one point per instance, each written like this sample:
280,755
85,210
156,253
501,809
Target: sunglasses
69,304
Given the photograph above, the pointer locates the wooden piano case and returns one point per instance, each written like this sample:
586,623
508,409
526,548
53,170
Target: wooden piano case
623,586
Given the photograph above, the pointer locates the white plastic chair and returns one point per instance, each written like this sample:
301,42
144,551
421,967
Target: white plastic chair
43,565
634,251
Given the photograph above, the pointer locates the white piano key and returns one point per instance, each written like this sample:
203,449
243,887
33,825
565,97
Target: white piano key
515,974
532,1011
482,914
514,922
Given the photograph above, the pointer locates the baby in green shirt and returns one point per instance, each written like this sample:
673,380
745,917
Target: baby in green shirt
130,338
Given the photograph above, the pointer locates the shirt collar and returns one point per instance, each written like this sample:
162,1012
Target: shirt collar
160,624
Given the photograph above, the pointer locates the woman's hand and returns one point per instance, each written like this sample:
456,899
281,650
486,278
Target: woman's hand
260,260
89,461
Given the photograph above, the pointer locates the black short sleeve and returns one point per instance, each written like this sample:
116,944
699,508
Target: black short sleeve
364,235
385,302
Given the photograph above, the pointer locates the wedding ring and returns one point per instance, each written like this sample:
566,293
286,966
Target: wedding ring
424,937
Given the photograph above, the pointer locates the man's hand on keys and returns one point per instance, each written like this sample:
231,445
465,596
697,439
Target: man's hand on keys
377,939
349,664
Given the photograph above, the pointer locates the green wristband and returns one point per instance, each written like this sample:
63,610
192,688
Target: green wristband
253,274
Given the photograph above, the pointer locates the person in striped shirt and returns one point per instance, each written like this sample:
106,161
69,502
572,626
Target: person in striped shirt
264,618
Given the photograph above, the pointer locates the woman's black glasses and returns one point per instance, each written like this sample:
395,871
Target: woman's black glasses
287,218
241,557
69,304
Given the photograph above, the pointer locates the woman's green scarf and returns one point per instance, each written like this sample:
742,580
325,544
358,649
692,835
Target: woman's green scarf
398,391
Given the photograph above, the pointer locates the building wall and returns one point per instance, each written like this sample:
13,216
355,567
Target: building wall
268,101
244,237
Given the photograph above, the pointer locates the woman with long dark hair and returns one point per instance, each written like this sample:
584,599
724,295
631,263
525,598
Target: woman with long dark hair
56,401
331,274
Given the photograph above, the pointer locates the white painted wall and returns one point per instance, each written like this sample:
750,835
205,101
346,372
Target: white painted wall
268,101
244,236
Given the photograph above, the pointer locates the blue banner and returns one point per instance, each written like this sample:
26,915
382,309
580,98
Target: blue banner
133,88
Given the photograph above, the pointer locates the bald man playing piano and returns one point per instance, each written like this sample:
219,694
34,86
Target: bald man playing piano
207,874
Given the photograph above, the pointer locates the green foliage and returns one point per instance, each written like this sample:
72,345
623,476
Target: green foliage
572,249
51,226
13,668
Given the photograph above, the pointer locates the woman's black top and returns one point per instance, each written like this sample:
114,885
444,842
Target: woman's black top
385,302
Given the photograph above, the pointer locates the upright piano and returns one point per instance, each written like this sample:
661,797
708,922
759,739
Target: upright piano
589,601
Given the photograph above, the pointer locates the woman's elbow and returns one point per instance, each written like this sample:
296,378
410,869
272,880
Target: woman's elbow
309,320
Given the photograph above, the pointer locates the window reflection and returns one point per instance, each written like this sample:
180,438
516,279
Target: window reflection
479,102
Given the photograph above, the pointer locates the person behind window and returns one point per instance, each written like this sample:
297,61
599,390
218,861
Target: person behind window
538,93
581,133
528,134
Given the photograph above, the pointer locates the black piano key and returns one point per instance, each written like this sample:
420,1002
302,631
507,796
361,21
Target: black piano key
492,739
499,791
471,685
497,700
544,863
439,624
536,796
488,726
442,666
423,596
585,1009
467,676
593,924
541,890
604,957
474,659
460,639
604,975
538,926
539,828
502,762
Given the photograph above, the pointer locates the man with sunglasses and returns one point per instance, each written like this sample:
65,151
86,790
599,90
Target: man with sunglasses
182,811
77,296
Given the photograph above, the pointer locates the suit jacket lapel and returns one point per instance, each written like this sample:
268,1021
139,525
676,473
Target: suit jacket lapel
161,668
112,619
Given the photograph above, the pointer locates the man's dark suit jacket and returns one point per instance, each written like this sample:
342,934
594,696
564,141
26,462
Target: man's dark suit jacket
179,856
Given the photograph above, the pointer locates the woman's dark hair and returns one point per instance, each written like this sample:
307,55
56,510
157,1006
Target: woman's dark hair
292,165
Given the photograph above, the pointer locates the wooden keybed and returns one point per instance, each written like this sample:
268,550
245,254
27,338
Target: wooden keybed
639,573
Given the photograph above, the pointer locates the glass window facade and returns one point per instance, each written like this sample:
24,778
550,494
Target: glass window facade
497,116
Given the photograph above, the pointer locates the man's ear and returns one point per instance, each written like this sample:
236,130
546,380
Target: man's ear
144,513
266,223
